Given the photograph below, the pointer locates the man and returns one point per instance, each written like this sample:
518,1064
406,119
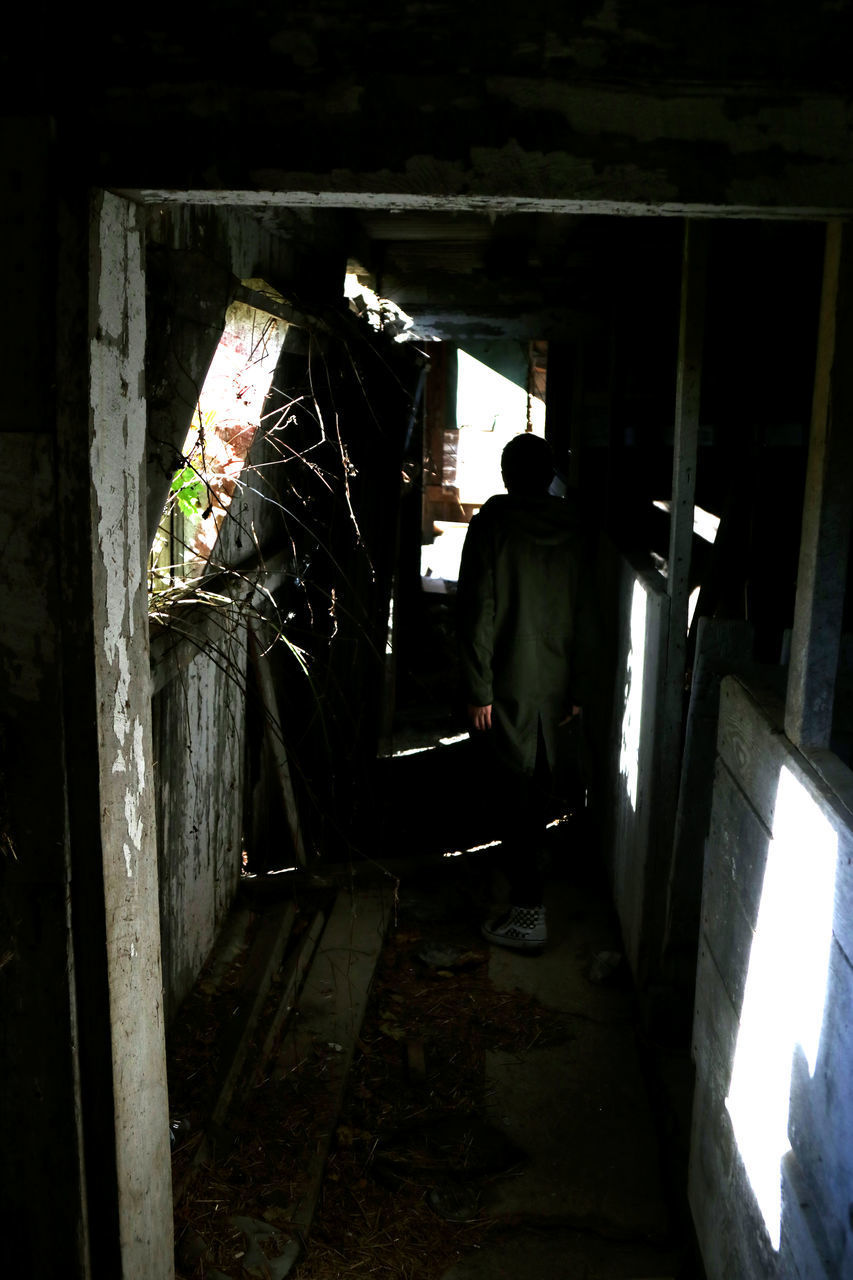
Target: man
517,605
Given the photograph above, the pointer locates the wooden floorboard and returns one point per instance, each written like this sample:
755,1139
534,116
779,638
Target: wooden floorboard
329,1018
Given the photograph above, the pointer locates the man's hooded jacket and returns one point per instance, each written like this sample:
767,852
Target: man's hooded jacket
517,609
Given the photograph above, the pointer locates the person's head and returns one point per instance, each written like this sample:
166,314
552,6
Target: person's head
527,466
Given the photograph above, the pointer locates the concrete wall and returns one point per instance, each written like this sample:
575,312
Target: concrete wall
771,1172
199,662
199,720
647,103
117,462
638,626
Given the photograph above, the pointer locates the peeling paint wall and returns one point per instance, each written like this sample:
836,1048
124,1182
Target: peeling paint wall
199,733
117,451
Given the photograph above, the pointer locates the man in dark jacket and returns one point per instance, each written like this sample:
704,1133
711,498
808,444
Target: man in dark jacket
518,602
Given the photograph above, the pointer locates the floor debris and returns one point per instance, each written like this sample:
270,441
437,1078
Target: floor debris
433,1104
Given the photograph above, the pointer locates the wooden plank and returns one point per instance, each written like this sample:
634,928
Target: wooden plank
835,775
685,448
265,958
275,737
827,511
275,305
330,1013
755,751
687,396
731,1234
293,976
715,1026
821,1120
804,1238
711,1173
751,743
817,1177
734,875
722,647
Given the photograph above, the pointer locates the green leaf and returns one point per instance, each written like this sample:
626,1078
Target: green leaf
190,492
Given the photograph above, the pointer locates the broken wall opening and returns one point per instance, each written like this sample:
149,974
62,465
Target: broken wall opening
495,399
211,459
318,364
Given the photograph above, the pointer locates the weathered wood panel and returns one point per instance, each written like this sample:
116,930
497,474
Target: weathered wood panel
821,1119
755,749
822,577
723,646
715,1031
684,457
774,997
732,882
199,728
729,1228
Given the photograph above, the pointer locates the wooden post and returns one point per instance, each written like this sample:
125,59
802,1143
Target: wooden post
275,738
723,646
684,453
827,508
687,392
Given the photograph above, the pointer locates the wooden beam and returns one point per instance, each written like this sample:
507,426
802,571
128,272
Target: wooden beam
274,306
275,737
827,508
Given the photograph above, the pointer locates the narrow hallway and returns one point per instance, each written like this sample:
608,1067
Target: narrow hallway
494,1114
284,284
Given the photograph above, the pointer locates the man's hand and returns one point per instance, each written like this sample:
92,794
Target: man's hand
572,715
480,717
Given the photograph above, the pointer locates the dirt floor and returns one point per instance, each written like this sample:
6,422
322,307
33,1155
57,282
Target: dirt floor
501,1115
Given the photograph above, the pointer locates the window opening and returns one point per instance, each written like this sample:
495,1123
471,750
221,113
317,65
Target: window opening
380,313
706,526
490,408
226,418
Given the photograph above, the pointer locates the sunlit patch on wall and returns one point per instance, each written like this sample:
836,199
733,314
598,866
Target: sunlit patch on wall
490,410
226,419
785,989
629,754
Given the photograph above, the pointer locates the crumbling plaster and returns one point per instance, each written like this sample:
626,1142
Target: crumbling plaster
199,740
636,104
117,460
